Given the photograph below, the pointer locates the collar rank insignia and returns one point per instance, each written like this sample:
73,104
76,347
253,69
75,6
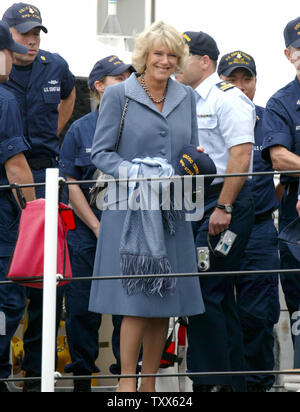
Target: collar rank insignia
224,86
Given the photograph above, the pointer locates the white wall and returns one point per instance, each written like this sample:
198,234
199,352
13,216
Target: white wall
255,27
72,32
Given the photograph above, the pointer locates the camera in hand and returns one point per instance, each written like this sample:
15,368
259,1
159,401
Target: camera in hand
225,244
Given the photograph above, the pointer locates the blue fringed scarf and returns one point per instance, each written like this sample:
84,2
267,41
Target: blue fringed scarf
142,249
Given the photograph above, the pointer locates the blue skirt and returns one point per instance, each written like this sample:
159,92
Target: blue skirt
110,297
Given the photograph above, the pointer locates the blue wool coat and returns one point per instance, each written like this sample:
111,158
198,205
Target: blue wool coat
147,132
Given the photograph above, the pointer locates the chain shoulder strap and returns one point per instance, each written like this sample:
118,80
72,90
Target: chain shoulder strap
122,124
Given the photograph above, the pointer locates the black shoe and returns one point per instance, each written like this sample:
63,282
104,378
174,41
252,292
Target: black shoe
256,388
82,386
3,387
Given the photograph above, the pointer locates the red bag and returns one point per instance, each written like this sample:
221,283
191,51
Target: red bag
28,258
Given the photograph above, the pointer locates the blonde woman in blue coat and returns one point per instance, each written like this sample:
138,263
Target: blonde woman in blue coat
160,120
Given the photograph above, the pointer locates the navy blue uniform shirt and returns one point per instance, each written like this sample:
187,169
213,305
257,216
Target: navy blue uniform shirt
12,141
39,89
262,187
281,125
75,161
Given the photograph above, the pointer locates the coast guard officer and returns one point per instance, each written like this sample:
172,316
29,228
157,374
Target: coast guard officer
226,119
44,88
13,169
281,128
257,296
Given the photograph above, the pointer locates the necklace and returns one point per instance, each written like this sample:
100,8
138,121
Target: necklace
144,86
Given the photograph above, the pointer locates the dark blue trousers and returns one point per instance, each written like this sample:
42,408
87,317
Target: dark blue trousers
290,283
12,297
258,301
33,336
12,306
82,326
215,338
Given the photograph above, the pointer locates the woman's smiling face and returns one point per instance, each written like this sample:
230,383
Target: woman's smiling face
161,63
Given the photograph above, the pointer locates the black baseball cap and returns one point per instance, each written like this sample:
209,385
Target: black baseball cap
236,60
7,42
292,33
24,17
190,162
202,44
109,66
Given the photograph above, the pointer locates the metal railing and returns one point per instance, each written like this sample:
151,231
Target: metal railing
49,376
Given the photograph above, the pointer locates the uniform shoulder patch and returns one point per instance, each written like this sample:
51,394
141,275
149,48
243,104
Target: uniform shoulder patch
224,86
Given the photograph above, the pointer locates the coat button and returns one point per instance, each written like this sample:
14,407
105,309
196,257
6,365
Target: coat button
10,147
163,152
163,134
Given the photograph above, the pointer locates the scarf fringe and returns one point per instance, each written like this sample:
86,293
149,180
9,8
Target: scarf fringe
132,265
170,219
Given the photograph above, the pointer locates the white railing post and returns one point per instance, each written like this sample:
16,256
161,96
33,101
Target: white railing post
50,269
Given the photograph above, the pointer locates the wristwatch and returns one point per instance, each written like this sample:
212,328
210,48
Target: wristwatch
227,208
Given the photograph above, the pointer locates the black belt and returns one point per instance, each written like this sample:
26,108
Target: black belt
263,216
39,164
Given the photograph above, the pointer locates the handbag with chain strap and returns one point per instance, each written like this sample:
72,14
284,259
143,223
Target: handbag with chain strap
98,191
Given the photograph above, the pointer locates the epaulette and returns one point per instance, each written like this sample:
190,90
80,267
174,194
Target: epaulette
224,86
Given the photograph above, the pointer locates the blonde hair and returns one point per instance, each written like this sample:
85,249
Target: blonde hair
159,34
